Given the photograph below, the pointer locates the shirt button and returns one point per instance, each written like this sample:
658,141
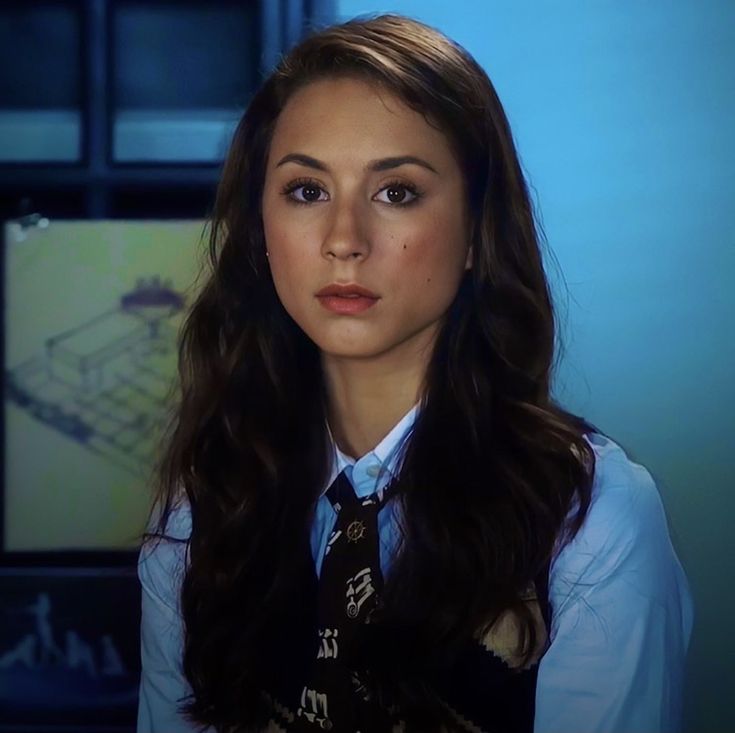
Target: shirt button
373,471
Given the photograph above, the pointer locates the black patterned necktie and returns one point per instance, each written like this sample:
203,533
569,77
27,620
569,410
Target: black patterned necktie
334,697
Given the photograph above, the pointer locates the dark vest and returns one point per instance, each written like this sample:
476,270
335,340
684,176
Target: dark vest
482,689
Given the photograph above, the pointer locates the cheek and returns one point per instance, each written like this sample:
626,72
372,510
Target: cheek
287,251
280,262
287,270
433,256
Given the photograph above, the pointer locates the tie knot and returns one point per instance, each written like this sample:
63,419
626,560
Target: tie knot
342,494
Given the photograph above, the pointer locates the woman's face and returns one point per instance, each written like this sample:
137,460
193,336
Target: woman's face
360,189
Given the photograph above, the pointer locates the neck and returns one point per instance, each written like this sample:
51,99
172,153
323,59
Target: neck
366,398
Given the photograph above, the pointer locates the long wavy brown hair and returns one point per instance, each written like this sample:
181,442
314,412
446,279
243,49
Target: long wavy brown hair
492,468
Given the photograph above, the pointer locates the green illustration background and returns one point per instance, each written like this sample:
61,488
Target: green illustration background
58,493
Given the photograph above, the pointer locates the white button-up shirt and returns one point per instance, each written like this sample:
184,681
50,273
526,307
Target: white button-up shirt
621,605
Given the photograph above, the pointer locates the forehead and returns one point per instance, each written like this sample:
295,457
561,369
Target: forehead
355,116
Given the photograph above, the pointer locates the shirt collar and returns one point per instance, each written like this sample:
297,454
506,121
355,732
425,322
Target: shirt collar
377,467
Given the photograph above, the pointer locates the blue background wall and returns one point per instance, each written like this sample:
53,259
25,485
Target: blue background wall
624,116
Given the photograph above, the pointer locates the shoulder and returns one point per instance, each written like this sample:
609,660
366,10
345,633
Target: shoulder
621,611
625,537
625,505
162,559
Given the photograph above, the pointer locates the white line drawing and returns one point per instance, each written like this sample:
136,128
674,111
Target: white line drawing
336,534
329,648
314,708
359,588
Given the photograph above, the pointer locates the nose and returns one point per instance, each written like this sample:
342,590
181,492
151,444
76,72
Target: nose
346,235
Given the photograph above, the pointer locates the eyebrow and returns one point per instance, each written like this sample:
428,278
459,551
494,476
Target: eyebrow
382,164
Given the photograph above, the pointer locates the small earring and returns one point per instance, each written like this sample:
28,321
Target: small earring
267,254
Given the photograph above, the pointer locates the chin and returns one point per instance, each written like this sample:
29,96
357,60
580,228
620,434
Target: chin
343,339
339,350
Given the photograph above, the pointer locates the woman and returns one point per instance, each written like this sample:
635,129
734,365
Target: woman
373,516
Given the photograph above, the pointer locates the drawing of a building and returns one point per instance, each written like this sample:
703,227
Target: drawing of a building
105,383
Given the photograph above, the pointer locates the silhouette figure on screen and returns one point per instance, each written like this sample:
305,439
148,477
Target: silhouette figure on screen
23,653
50,651
79,654
112,664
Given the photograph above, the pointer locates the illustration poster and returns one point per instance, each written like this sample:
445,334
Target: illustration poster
69,649
92,315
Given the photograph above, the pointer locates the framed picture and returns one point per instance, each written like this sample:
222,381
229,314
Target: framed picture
91,322
69,649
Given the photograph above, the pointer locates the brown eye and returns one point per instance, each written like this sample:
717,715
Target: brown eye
395,194
305,192
310,193
398,194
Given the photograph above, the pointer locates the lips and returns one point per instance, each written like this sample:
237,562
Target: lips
348,299
352,290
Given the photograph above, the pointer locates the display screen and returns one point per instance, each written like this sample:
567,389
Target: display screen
92,315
